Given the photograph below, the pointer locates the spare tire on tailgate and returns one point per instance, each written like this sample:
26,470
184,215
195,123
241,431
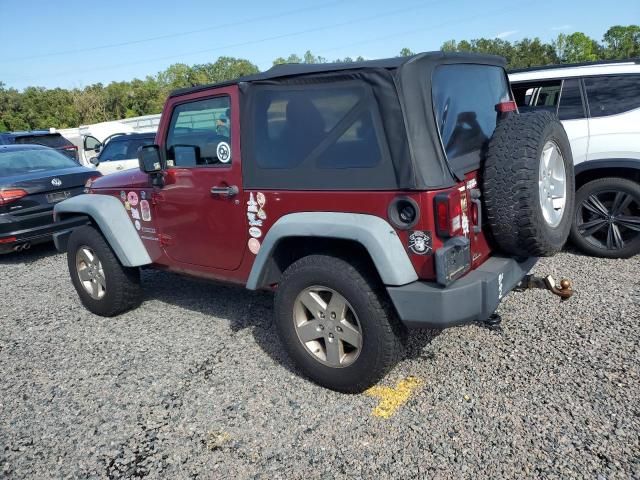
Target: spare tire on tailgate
528,184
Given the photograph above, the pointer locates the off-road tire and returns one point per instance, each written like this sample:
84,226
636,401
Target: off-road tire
608,184
510,185
122,292
382,334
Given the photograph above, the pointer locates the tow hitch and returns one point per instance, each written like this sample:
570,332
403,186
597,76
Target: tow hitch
564,289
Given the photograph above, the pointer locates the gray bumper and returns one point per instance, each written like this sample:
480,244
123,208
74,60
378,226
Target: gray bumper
473,297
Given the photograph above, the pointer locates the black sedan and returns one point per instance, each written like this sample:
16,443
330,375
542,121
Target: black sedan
32,180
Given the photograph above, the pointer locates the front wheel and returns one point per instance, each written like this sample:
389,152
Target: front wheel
104,286
336,324
607,218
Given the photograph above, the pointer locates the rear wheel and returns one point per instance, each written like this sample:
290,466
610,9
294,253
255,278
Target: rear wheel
104,286
336,323
607,218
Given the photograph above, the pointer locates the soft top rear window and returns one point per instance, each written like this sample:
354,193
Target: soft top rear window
464,101
54,140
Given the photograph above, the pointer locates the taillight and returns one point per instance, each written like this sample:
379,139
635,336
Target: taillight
448,212
8,239
506,107
8,196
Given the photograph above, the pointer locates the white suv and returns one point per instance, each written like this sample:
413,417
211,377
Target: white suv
599,105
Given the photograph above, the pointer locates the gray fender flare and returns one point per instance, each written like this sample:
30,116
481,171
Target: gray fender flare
373,233
111,217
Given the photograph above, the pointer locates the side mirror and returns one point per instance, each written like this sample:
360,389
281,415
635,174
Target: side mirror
149,159
91,143
95,161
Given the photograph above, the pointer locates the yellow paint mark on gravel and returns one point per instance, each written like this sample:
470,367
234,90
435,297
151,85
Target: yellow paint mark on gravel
391,399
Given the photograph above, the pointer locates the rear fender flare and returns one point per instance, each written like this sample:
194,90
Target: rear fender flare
373,233
109,214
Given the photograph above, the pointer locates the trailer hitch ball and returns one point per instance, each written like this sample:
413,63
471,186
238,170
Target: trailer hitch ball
563,289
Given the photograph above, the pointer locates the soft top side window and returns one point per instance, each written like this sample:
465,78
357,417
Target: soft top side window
205,126
325,135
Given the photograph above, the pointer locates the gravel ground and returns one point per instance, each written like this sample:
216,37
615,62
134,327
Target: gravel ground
194,384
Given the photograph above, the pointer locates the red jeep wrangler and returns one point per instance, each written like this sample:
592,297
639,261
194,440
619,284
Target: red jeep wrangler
372,197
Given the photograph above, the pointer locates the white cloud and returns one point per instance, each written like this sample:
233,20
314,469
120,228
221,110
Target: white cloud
506,34
562,27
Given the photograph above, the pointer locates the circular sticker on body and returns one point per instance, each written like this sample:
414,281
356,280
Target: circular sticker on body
132,197
261,199
255,232
223,151
254,245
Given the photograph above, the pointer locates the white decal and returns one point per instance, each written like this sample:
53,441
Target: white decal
146,237
500,293
465,224
252,206
135,214
455,223
253,221
254,245
262,215
223,151
472,183
132,197
255,232
146,210
148,230
261,199
420,242
137,224
123,195
143,195
127,205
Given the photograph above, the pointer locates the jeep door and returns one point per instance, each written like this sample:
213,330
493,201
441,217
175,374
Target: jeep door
199,208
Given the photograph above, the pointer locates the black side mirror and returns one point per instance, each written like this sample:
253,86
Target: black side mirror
149,159
95,161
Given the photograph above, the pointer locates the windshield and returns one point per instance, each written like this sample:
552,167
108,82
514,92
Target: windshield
464,100
18,162
54,140
123,149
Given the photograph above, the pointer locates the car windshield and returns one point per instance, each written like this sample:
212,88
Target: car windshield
54,140
123,149
17,162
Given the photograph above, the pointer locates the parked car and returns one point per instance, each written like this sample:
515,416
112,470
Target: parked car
48,138
599,105
33,179
119,151
357,197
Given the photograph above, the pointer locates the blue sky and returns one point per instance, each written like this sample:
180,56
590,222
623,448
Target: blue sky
76,43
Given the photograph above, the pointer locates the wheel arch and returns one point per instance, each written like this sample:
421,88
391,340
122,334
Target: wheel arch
354,237
595,169
109,216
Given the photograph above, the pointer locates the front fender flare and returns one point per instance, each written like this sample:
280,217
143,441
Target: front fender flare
111,217
373,233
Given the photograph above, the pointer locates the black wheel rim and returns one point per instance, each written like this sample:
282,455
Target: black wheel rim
609,219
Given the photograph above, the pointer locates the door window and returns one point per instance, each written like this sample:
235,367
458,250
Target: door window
610,95
205,126
571,107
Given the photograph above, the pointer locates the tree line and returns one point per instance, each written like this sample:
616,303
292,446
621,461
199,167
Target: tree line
41,108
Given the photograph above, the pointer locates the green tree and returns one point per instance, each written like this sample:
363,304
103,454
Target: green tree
577,47
622,42
406,52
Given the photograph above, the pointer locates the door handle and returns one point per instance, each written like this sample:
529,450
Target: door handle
229,191
119,167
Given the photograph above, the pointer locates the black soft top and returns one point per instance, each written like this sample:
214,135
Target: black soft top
401,89
297,69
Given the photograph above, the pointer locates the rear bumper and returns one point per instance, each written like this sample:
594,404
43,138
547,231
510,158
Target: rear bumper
39,234
473,297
